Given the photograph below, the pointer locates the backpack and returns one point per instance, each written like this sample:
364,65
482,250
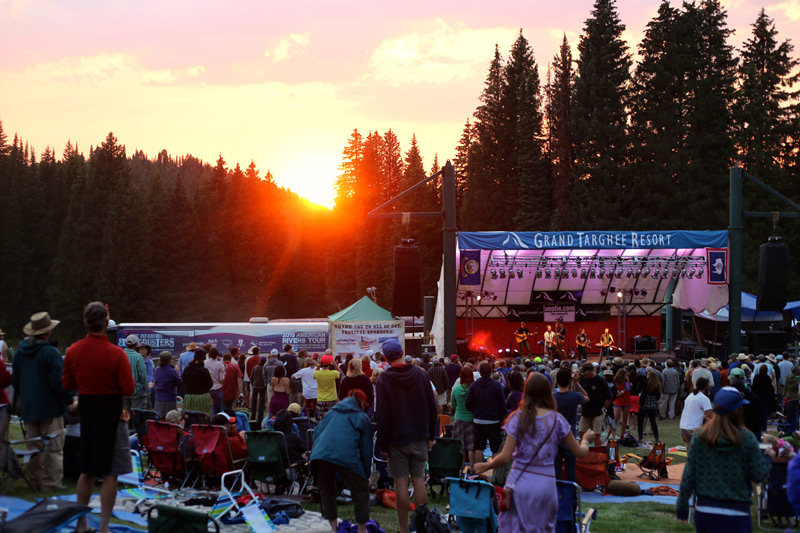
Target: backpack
428,520
628,440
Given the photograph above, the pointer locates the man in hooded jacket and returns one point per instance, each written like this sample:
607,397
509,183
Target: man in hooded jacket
406,417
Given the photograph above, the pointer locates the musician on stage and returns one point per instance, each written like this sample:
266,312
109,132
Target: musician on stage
606,340
561,331
550,341
581,341
521,335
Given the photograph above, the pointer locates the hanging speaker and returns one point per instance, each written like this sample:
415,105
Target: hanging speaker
773,275
407,299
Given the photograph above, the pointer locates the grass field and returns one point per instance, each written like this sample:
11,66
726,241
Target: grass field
612,518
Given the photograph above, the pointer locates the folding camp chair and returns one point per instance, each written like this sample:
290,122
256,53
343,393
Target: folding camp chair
474,504
444,420
613,453
13,459
772,500
654,466
785,425
139,417
169,519
268,457
213,450
445,460
141,490
167,451
569,518
196,417
47,515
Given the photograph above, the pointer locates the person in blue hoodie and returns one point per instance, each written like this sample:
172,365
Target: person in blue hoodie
343,445
488,404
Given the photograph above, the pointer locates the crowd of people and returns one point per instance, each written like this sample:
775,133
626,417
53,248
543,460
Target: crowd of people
539,415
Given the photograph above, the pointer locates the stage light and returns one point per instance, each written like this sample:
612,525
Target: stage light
683,273
547,273
603,293
637,272
675,273
700,273
593,274
656,273
502,273
583,273
643,292
618,273
539,274
574,272
629,273
558,273
519,273
602,272
691,273
494,273
511,273
619,294
665,273
478,298
646,272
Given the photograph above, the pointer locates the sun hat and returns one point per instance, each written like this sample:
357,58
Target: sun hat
454,357
741,357
392,349
369,353
40,323
408,359
174,416
294,408
608,372
537,359
191,346
2,332
728,400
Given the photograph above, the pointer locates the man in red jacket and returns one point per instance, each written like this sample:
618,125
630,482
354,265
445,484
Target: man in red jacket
101,374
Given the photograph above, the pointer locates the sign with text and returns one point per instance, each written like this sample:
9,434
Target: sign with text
358,337
570,312
553,312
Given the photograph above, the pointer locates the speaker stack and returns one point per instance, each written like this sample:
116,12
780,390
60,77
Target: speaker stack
773,275
407,299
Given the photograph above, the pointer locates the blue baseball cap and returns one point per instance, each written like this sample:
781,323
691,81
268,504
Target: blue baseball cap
391,349
728,400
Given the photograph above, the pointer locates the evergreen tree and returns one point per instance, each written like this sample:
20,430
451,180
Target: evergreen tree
599,120
559,117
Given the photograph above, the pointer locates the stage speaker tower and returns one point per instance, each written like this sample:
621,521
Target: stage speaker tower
773,275
407,299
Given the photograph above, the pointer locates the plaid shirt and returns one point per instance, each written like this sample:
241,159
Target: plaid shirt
438,376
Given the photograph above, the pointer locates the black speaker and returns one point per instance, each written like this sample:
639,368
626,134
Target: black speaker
773,276
407,299
766,342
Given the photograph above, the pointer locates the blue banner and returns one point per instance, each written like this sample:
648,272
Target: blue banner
590,240
470,267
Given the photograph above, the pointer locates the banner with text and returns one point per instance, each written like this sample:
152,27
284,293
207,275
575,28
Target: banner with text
569,312
358,337
176,341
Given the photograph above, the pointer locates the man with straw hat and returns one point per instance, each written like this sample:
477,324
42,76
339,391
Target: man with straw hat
43,400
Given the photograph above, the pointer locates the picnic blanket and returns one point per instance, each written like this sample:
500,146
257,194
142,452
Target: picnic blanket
594,497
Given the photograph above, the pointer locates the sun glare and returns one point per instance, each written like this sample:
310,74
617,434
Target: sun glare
313,180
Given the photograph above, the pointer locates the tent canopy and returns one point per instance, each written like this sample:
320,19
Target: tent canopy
749,311
364,310
591,267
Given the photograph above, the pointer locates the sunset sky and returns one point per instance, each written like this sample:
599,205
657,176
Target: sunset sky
283,84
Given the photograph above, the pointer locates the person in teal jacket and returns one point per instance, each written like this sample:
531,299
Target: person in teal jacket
43,400
343,445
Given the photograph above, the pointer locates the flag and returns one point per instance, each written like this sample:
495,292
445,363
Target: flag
470,267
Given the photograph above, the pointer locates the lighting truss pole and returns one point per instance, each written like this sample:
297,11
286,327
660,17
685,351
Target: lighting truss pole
448,216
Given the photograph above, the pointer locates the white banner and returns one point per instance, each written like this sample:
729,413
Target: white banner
553,312
358,337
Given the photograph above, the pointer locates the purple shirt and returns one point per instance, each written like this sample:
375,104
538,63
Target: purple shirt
167,380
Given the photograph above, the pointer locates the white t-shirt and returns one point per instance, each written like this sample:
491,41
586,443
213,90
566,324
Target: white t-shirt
694,407
306,377
701,372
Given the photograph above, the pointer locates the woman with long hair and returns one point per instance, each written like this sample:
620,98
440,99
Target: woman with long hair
622,402
280,391
463,425
533,433
355,379
648,403
198,383
724,460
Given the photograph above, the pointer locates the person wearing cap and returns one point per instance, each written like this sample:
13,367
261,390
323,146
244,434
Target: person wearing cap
406,417
273,362
235,437
327,376
101,373
43,399
167,380
145,350
138,400
723,462
753,412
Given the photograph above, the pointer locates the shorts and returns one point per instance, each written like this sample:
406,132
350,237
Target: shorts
687,434
310,403
324,407
463,430
441,399
593,423
408,459
490,432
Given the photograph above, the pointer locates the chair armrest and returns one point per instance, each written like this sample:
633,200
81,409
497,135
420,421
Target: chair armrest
44,439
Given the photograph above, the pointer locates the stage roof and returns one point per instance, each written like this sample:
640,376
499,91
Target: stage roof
592,267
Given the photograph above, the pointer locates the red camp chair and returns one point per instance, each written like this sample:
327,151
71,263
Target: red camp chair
213,450
592,471
166,451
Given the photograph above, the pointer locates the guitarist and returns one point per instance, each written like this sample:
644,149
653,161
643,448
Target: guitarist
606,342
561,331
582,341
521,335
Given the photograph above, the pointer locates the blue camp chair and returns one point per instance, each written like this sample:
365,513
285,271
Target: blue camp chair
569,518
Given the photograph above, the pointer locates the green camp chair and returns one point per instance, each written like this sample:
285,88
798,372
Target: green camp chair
268,458
446,459
178,520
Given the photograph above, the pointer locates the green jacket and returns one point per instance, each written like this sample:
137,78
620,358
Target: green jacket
37,381
792,382
722,473
458,402
139,370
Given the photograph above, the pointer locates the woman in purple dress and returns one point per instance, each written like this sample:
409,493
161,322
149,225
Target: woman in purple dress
533,433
